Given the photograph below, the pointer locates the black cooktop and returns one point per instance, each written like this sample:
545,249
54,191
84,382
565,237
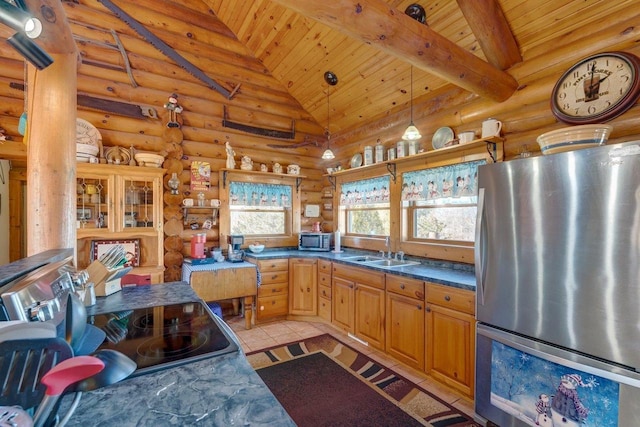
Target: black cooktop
165,336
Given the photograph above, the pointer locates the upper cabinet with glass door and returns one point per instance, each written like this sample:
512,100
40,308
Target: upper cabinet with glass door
118,199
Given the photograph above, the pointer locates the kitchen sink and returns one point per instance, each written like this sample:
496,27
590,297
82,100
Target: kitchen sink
392,263
362,258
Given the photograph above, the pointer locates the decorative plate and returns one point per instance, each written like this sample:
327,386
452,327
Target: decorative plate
441,137
86,133
356,160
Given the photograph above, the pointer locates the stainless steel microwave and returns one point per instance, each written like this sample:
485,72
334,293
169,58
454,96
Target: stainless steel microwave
314,242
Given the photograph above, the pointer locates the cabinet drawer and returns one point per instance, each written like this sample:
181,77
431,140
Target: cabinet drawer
453,298
412,288
271,289
324,266
275,277
273,265
324,309
272,306
324,291
359,275
324,279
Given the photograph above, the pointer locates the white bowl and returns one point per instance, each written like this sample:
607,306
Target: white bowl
87,149
573,138
256,249
149,159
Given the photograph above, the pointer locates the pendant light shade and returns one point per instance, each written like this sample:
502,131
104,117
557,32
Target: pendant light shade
331,80
412,133
20,20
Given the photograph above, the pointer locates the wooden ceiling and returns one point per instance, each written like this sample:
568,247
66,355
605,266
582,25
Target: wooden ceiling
275,56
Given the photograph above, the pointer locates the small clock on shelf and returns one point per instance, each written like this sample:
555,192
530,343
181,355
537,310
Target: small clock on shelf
597,88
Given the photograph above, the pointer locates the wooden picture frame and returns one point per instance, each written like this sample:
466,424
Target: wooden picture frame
131,246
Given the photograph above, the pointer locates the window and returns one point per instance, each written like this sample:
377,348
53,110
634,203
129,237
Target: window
259,209
364,207
441,203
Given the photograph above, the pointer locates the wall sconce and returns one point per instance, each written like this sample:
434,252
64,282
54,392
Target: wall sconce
20,20
30,51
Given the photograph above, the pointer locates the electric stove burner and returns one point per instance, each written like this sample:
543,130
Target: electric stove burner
165,336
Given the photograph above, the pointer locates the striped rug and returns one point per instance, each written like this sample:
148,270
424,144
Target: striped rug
321,381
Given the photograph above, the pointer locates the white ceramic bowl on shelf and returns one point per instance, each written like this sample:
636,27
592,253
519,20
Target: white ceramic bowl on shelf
256,249
573,138
149,159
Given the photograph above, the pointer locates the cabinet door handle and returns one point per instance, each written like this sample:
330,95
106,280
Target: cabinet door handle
447,298
308,289
350,286
402,286
419,307
428,309
274,276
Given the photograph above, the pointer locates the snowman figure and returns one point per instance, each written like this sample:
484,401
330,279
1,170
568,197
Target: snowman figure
174,109
543,409
566,407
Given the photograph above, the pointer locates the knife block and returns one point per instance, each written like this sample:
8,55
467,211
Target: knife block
106,281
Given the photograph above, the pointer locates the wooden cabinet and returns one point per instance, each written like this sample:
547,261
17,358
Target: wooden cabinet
273,293
122,203
358,303
324,290
303,286
405,320
450,344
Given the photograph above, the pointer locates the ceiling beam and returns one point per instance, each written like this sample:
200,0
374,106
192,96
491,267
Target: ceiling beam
489,25
375,23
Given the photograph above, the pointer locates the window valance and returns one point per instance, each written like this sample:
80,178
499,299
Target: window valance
256,194
457,180
365,192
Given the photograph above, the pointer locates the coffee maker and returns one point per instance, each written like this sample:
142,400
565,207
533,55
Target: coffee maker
234,253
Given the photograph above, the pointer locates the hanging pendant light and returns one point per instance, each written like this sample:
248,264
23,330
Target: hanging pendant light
331,80
411,133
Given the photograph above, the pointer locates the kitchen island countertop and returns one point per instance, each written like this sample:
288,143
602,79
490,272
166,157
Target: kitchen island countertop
223,390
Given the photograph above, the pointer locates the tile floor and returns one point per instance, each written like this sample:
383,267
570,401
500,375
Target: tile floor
286,331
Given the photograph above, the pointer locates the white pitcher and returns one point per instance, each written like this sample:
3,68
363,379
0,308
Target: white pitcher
491,127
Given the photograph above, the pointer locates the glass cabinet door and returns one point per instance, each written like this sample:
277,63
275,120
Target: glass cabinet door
138,207
94,202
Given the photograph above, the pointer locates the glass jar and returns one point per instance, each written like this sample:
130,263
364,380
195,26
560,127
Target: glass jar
401,148
200,199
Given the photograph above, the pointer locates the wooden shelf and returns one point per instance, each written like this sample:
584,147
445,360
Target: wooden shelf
424,155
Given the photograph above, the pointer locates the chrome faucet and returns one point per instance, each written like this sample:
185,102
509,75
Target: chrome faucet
387,242
400,256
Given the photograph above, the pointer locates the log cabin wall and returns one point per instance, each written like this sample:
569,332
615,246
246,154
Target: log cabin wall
241,45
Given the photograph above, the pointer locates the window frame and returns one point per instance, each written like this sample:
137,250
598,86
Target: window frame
290,238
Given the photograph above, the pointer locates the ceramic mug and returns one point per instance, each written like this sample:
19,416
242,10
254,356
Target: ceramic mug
293,169
491,127
187,202
215,203
467,136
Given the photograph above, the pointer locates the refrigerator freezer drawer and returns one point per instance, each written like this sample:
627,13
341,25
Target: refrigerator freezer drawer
522,382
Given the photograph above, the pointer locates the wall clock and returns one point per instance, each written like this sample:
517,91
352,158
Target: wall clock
597,88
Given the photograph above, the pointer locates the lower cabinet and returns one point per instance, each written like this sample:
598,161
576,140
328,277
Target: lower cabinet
405,320
450,332
324,290
358,303
273,293
303,286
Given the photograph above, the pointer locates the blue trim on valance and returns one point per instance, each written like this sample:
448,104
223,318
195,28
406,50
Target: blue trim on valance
365,192
253,194
459,180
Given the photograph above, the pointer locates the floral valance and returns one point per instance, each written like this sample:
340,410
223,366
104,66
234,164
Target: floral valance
255,194
365,192
457,180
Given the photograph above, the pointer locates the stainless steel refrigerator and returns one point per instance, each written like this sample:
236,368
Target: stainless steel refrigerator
558,298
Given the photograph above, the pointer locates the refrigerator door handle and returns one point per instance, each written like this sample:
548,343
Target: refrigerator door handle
480,248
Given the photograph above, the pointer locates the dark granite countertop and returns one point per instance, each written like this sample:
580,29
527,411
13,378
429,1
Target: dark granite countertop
442,272
26,265
220,391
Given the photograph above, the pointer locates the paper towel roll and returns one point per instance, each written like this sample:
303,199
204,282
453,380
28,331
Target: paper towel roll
336,241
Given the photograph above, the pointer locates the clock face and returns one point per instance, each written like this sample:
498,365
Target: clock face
597,89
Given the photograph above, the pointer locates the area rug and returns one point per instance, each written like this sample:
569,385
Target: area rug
321,381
